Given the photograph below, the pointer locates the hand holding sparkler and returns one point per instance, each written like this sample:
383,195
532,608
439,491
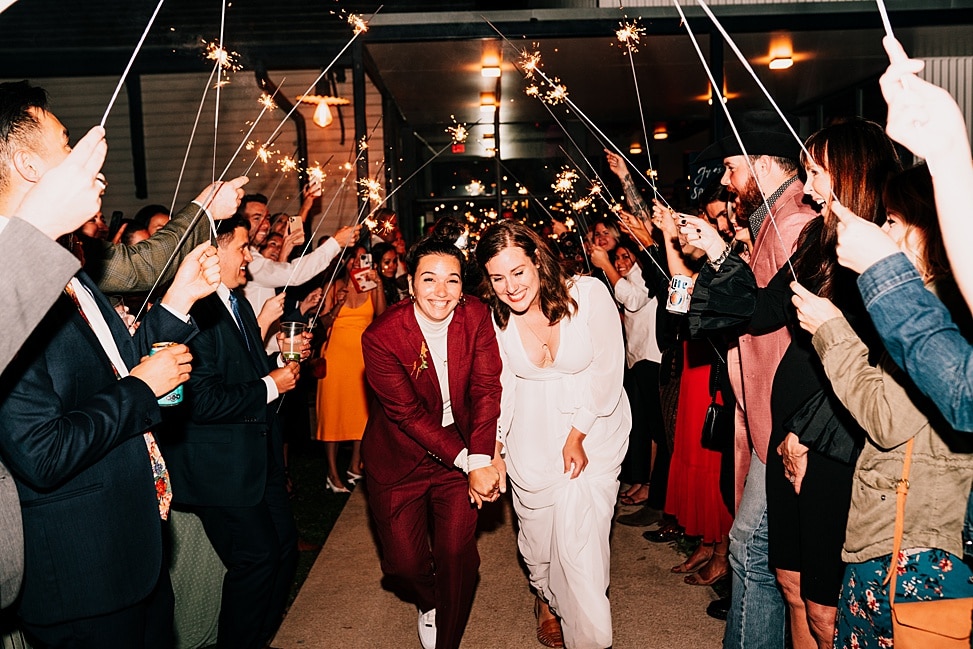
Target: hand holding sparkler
312,300
347,235
221,199
701,234
812,311
270,313
617,165
198,276
599,257
636,228
922,116
861,243
69,194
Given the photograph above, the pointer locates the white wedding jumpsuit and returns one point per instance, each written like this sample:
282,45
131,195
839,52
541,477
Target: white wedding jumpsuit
564,524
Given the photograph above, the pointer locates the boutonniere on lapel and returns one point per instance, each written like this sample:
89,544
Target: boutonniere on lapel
422,363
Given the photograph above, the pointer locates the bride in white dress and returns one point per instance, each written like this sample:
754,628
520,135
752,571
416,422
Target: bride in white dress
564,427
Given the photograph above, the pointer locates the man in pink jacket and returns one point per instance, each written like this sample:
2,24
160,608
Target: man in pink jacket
757,614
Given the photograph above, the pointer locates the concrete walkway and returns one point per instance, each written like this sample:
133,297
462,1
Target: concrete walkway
342,605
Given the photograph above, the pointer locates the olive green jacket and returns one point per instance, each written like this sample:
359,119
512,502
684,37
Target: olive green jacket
886,404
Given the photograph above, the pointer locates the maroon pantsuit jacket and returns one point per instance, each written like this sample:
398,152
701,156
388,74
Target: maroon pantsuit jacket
405,418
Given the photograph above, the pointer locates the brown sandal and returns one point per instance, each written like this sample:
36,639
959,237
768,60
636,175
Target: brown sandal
549,631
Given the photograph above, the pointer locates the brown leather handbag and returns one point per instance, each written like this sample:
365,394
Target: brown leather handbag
933,624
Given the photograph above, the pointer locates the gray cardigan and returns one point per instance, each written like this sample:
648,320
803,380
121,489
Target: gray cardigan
891,410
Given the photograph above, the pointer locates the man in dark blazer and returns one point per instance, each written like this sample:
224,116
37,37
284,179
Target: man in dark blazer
75,408
420,467
225,453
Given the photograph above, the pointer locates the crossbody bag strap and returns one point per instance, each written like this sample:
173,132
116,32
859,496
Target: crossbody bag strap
901,491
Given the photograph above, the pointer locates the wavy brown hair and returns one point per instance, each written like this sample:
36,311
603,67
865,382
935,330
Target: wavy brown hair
860,158
909,194
555,296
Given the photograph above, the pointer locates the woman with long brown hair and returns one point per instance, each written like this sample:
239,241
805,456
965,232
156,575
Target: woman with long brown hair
564,426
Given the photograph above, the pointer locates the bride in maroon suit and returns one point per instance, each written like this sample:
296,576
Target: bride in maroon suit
428,448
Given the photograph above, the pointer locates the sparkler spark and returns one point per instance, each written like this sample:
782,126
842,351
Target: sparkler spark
372,189
569,224
530,62
387,226
564,182
358,23
595,190
458,132
629,35
263,152
475,188
227,59
557,93
370,223
532,90
581,204
316,174
287,164
267,101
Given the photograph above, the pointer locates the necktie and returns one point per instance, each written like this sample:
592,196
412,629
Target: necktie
235,308
160,474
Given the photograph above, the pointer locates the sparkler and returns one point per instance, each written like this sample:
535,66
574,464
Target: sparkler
564,182
372,189
192,136
316,174
883,12
557,94
458,132
358,23
736,133
267,101
131,60
287,164
227,60
629,35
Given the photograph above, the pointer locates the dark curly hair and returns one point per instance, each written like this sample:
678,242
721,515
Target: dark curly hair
555,297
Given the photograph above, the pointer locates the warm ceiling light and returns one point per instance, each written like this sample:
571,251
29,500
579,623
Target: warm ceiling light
492,71
488,136
781,63
660,132
322,114
635,148
488,102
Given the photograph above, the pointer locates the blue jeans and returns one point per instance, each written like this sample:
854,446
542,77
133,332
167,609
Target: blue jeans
757,614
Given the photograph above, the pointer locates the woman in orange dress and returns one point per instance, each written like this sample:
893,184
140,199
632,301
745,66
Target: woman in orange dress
342,402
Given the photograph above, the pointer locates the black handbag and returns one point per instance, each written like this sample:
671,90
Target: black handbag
719,423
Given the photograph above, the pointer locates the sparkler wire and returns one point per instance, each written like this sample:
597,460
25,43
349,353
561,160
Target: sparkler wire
131,60
736,133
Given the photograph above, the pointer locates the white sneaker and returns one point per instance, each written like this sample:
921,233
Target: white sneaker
427,629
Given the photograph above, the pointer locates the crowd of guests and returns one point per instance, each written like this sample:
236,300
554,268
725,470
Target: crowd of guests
805,419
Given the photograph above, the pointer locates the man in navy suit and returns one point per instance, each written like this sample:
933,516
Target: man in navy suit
75,409
225,453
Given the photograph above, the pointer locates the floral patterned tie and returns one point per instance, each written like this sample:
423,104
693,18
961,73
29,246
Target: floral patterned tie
160,474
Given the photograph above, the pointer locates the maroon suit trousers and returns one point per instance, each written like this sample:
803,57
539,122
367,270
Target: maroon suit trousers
431,499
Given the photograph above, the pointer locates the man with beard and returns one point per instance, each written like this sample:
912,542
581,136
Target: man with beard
769,178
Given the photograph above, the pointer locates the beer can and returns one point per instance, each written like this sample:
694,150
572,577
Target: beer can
679,294
173,398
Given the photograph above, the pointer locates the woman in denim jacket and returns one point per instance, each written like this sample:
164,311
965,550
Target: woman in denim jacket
890,408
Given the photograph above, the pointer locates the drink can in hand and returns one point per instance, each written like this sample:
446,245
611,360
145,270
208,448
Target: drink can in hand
678,301
173,398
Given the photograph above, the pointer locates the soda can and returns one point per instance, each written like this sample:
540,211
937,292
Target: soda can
679,294
174,398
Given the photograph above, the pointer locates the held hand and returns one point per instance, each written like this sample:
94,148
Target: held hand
70,193
700,234
165,369
664,219
271,311
197,277
501,466
575,459
286,377
312,300
291,241
812,311
221,199
347,235
617,164
599,257
485,483
922,116
794,455
861,243
312,191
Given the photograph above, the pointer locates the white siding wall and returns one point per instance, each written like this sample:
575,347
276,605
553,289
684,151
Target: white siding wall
170,102
955,74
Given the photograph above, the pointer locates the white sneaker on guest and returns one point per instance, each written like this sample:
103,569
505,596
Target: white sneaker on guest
427,629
